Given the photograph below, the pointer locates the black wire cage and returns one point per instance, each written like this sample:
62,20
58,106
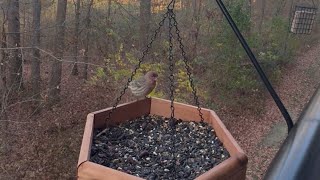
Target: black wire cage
303,19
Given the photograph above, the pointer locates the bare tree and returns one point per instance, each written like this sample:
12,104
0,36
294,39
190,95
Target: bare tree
197,4
56,69
186,4
263,8
108,24
3,65
35,66
88,20
109,13
3,53
23,19
15,60
76,37
145,18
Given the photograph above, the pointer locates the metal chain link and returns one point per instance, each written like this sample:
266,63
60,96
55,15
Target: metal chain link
171,63
171,78
171,5
134,72
185,60
171,67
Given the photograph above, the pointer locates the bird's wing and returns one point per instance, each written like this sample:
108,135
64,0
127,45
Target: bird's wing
138,87
141,82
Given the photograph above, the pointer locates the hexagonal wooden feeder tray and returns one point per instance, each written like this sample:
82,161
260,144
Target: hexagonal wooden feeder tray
233,168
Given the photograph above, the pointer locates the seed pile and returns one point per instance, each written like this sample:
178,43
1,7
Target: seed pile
149,148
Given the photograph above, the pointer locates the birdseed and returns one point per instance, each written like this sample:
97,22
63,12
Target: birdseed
148,147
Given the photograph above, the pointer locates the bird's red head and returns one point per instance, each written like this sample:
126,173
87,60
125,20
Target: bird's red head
151,75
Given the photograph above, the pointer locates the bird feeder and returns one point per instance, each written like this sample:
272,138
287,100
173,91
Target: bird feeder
232,168
303,19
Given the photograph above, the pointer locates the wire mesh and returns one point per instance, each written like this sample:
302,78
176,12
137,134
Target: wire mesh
303,19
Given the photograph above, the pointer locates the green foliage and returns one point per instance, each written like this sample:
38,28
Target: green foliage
98,77
240,13
232,77
121,64
156,93
221,69
277,48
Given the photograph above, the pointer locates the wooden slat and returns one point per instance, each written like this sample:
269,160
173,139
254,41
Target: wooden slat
224,135
230,169
86,140
92,171
182,111
122,113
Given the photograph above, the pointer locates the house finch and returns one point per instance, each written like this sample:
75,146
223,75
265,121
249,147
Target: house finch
144,85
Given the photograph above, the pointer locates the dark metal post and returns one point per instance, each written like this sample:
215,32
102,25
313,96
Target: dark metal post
256,65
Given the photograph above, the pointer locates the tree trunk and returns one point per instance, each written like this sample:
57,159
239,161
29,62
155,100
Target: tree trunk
285,45
145,18
250,8
186,4
107,54
3,81
197,4
88,19
23,24
263,8
56,69
35,64
15,60
109,13
3,54
76,38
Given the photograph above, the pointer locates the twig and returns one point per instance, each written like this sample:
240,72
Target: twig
19,122
79,62
16,48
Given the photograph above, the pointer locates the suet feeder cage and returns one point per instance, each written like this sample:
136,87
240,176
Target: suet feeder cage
303,19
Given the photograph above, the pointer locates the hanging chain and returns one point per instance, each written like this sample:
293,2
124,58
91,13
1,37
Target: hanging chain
171,5
172,22
171,63
185,60
171,78
134,72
